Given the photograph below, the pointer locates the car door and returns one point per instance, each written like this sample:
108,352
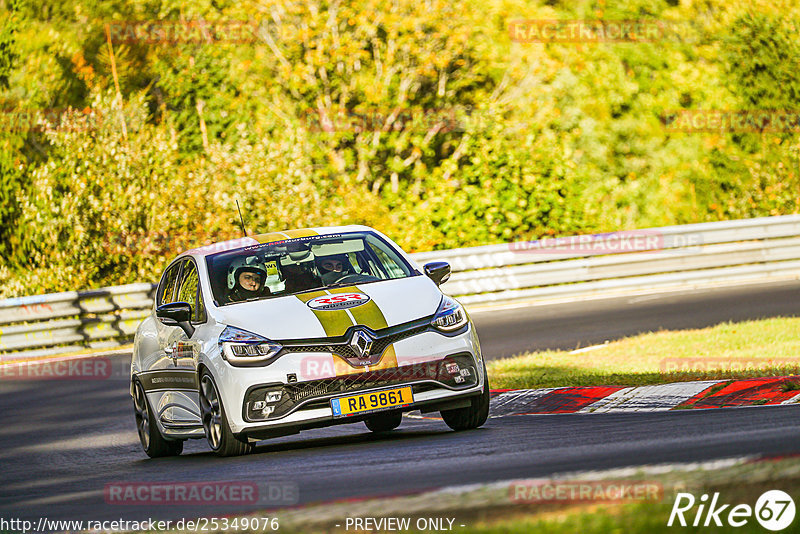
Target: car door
181,348
167,334
172,376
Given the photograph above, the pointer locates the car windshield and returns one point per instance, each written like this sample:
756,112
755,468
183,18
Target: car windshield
303,264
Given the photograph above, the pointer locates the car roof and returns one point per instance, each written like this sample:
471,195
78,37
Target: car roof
270,237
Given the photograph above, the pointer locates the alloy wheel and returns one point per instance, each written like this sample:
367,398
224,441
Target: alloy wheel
142,415
212,414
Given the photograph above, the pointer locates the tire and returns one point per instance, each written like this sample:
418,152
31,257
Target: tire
153,443
215,422
473,415
384,422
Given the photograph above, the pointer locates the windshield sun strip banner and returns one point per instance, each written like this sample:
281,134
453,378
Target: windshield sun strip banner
273,237
301,233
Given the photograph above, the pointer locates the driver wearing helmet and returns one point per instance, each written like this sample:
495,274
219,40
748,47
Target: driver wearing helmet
246,279
333,268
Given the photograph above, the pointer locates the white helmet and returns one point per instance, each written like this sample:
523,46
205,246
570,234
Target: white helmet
242,264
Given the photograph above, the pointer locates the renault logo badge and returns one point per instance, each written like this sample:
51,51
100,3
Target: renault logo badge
361,343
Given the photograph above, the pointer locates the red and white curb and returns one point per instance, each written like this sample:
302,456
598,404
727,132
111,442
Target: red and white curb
649,398
662,397
588,399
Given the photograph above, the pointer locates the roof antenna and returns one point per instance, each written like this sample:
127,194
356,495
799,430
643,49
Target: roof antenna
241,219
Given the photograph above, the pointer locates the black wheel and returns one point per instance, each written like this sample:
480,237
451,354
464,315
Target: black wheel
215,423
384,422
153,443
473,415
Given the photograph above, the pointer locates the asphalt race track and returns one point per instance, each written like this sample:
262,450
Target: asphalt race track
62,442
506,332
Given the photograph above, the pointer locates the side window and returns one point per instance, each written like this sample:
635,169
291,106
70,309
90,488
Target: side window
388,258
190,292
167,288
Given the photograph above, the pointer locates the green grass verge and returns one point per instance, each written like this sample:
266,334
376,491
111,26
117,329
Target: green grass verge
633,519
488,509
742,483
769,347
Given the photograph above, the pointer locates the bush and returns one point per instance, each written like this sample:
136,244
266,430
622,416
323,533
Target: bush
423,119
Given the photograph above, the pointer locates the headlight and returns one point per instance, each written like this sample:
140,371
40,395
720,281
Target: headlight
241,347
450,315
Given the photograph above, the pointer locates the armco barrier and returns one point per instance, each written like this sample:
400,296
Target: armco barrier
65,322
639,260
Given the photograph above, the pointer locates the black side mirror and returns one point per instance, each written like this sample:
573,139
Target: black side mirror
438,271
177,314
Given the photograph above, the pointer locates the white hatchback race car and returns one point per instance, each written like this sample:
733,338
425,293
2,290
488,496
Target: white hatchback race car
268,335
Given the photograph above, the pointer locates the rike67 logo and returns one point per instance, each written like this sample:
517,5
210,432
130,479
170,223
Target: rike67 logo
774,510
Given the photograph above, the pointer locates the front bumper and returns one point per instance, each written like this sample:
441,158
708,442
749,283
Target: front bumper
306,403
433,400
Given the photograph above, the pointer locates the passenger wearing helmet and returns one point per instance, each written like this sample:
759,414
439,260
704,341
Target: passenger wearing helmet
333,268
246,278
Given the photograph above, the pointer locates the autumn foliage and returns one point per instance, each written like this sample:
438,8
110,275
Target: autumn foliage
426,119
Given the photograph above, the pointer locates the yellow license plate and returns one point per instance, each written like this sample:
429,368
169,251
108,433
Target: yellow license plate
369,402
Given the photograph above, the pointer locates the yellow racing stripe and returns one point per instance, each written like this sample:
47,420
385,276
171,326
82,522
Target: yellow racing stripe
271,237
305,232
288,234
342,367
305,297
369,314
388,360
334,322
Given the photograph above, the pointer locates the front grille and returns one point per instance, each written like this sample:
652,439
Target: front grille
382,343
348,383
382,340
293,395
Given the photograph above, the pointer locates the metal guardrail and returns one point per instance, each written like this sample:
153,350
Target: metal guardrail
639,260
687,255
57,323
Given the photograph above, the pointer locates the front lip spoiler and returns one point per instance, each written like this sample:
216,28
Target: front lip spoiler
285,429
329,396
